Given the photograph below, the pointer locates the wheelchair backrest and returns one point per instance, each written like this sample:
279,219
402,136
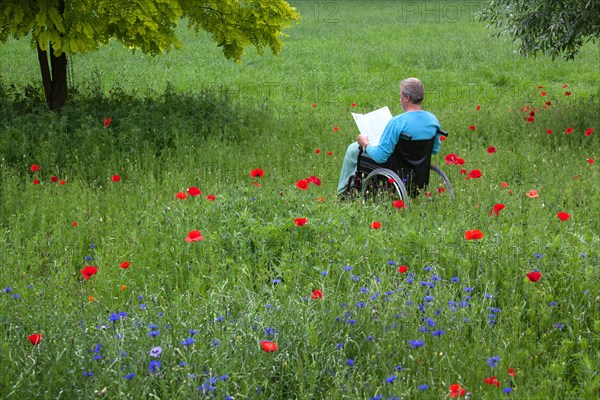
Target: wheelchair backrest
411,160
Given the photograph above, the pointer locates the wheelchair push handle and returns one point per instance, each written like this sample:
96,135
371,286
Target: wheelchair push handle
441,132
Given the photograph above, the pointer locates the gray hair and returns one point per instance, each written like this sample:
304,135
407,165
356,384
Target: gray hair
413,89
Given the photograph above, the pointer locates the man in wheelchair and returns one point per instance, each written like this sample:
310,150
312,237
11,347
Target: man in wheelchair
405,146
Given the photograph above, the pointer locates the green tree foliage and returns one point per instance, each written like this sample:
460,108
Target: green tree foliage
58,28
553,27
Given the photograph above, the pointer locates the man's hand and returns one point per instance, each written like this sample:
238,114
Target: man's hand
363,140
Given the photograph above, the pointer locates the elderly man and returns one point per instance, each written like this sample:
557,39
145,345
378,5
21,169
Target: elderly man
418,123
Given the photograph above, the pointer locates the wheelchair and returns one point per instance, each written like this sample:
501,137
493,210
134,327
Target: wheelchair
407,174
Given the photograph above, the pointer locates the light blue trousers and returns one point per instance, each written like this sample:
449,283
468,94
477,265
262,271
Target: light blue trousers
349,166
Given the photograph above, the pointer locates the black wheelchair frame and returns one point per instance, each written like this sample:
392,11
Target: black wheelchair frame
404,176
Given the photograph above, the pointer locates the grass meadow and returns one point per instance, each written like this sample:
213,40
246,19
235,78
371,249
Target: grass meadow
412,310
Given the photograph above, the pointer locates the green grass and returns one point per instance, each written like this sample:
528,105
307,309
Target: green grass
192,118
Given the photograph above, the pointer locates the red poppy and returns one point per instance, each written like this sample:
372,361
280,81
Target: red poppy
492,381
504,184
540,87
565,85
474,174
116,178
532,194
477,108
181,195
75,224
353,105
316,294
125,264
534,276
35,167
549,131
194,236
107,122
441,190
210,197
473,234
442,138
548,103
567,93
496,209
491,149
62,181
194,191
54,179
563,216
300,221
472,127
543,93
568,131
256,184
88,272
402,269
329,153
36,181
35,339
318,151
257,173
314,104
457,391
375,225
530,119
463,171
315,180
590,160
589,131
511,372
302,184
399,204
269,347
451,159
321,199
336,128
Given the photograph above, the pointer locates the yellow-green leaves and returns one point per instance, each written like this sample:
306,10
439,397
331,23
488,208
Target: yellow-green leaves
77,26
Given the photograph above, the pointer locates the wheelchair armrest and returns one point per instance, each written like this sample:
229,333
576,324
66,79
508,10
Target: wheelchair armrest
441,132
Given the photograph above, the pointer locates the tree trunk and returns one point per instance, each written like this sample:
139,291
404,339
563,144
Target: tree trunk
54,78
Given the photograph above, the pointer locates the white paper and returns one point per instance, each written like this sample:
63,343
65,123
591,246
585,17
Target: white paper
373,123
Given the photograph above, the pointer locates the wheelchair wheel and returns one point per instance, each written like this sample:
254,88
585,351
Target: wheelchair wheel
383,186
439,184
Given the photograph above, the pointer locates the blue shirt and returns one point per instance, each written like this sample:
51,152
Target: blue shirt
421,125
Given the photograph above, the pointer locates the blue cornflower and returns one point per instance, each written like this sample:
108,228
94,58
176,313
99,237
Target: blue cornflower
154,333
374,297
216,342
192,331
351,321
16,296
88,258
97,348
220,318
140,297
339,345
427,284
427,268
390,379
391,262
423,329
155,351
324,273
97,357
370,338
7,289
435,278
130,375
188,341
415,344
377,279
276,281
399,368
364,289
360,304
537,256
455,279
348,268
183,364
269,332
355,278
429,322
493,361
559,326
154,366
350,362
153,327
552,304
92,246
228,397
428,299
468,289
268,306
88,374
423,387
507,390
439,332
143,307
